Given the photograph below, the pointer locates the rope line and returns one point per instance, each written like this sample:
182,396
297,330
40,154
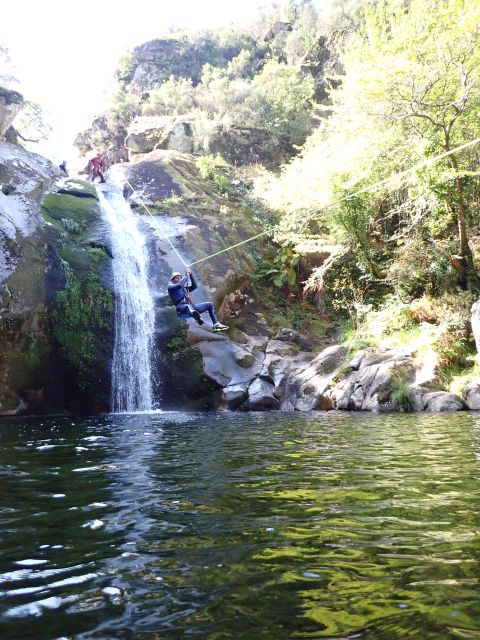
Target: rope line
217,253
401,174
152,216
370,188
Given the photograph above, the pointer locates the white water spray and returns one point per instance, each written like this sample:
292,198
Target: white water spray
134,309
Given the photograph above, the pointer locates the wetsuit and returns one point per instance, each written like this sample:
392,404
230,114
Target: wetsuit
97,164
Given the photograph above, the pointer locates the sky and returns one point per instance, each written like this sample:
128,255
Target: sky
65,52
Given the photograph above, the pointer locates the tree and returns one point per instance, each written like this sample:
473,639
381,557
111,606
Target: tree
430,50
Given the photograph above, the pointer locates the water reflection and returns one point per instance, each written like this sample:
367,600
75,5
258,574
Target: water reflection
240,526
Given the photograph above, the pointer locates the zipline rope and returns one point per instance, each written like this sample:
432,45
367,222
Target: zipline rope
370,188
401,174
150,214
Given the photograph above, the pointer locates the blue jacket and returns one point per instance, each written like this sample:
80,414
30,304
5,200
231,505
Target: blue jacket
179,291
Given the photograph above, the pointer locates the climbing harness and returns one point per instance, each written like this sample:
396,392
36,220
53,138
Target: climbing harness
369,189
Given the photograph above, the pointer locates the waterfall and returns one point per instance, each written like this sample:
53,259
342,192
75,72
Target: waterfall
134,308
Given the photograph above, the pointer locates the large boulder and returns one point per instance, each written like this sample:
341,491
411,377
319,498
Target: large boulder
471,395
370,379
11,103
306,388
442,401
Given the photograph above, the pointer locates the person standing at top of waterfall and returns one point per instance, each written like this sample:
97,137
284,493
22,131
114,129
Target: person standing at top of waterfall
96,164
180,289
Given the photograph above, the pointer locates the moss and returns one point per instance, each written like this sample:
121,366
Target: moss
70,219
57,206
82,319
29,365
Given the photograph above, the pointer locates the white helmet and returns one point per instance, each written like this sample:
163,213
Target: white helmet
175,274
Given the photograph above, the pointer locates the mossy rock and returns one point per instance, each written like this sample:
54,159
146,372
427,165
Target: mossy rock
70,224
59,206
184,382
78,188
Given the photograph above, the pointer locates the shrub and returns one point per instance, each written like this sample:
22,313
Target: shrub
400,396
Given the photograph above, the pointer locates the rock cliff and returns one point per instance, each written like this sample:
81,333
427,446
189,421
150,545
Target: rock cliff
49,289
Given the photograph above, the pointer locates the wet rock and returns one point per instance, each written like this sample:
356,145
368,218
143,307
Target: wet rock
78,188
261,396
442,401
233,396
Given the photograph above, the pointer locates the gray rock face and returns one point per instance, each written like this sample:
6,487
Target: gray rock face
237,144
10,105
290,335
306,387
165,56
324,63
368,386
471,395
147,133
442,401
261,396
31,175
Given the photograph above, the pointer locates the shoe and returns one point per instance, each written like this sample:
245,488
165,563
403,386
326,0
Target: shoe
197,318
218,326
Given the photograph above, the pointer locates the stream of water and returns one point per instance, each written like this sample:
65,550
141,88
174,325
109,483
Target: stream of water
240,526
134,308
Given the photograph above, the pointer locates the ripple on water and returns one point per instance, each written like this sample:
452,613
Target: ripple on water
242,526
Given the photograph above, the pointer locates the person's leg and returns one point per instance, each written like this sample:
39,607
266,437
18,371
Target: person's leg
183,311
201,307
188,311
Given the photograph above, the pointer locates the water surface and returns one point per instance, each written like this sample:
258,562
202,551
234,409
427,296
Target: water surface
245,526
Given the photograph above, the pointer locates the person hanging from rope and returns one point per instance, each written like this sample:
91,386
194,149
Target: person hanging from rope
97,166
179,290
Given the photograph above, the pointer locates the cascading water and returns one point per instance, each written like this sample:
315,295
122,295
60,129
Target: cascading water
134,308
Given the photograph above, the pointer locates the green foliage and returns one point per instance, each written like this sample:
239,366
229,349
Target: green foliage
81,317
419,268
280,98
411,90
281,271
175,96
31,123
215,168
125,68
400,395
73,226
453,346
